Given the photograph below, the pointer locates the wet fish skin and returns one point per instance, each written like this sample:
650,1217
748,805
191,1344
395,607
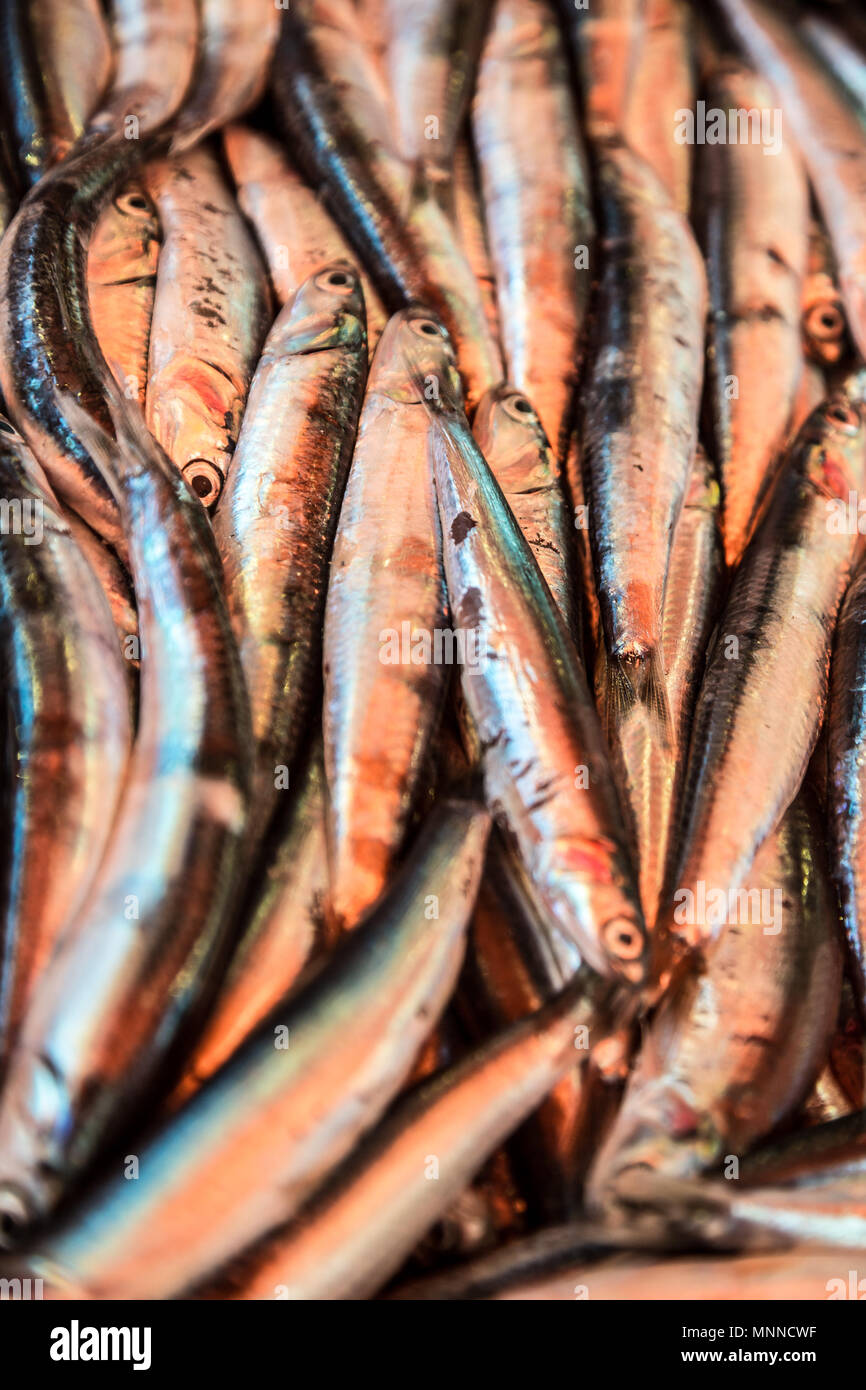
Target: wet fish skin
638,452
537,204
150,938
430,53
650,759
386,570
294,231
607,42
47,342
756,230
846,786
282,936
662,85
569,835
764,689
210,317
735,1046
390,215
121,280
237,39
213,1181
55,61
276,522
827,129
155,50
70,729
348,1243
469,220
511,437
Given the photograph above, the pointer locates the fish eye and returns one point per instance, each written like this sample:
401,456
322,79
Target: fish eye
5,426
338,280
426,328
205,480
847,419
132,202
826,322
518,407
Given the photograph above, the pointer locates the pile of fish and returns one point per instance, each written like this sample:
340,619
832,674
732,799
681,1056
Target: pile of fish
433,632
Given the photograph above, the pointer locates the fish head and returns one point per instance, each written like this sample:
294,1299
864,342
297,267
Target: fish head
509,433
125,242
834,440
326,311
415,362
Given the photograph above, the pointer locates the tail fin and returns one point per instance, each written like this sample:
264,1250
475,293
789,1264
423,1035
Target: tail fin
631,681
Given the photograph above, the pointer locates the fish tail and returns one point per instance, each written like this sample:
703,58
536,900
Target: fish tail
631,681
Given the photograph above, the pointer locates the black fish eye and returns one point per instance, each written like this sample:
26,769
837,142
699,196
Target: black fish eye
427,327
844,416
518,407
341,281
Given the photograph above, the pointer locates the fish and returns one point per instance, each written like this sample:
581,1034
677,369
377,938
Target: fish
407,241
117,588
640,401
429,55
294,231
121,281
55,63
830,136
385,593
48,348
765,684
650,762
825,327
514,968
835,1147
356,1235
840,47
546,772
283,935
155,51
319,1072
736,1044
607,42
845,784
511,437
537,206
469,220
275,525
662,87
210,317
237,39
755,214
149,939
69,722
803,1272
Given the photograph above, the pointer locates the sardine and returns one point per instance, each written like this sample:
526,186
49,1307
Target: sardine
385,614
69,722
210,317
825,327
511,437
121,282
407,240
276,522
640,403
546,770
145,947
282,935
537,205
469,218
295,233
237,39
607,40
650,760
842,52
827,129
430,52
155,51
55,61
348,1243
661,89
755,215
733,1050
253,1144
764,690
847,781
